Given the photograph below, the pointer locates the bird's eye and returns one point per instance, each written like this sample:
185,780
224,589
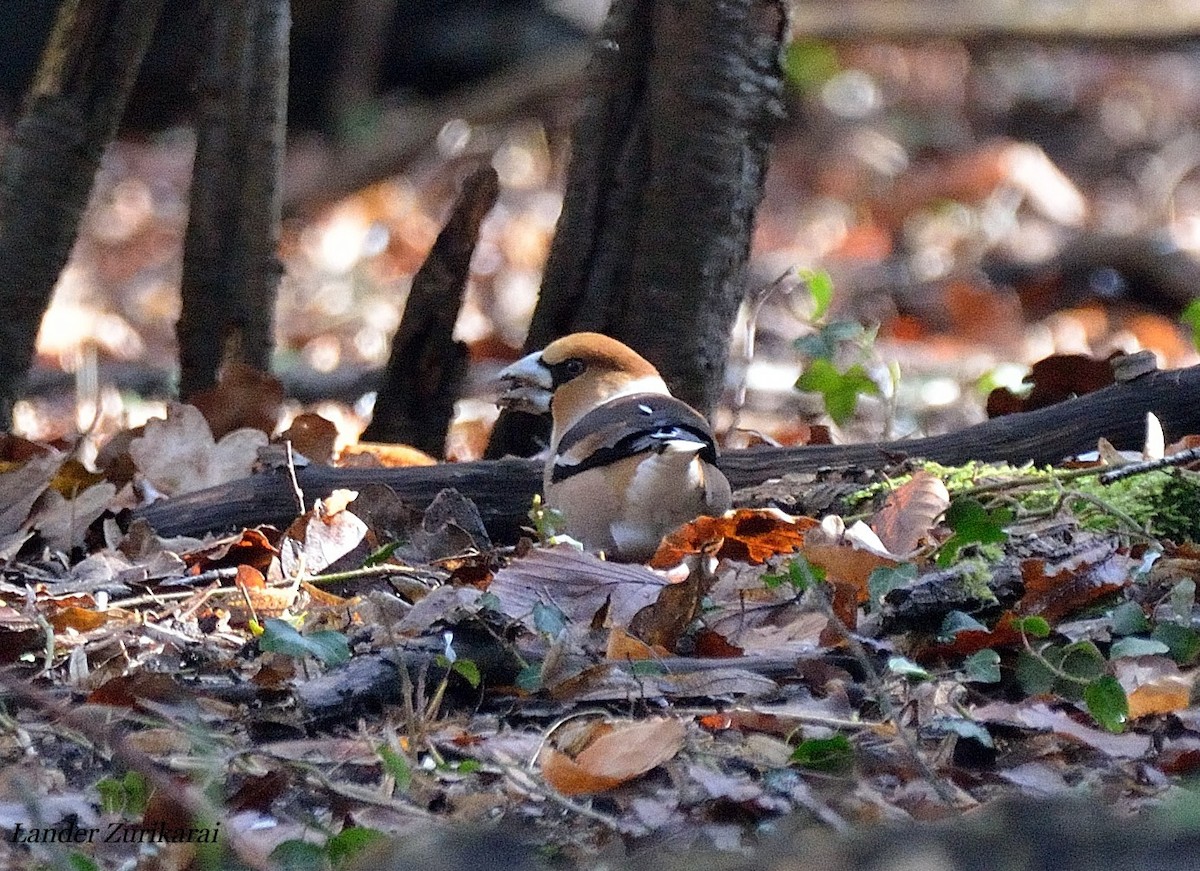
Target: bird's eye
574,367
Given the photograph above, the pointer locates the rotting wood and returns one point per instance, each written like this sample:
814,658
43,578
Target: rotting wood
502,489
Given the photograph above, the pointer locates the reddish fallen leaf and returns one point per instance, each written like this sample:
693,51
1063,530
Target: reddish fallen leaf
312,436
251,548
713,645
79,619
1054,591
129,690
746,535
244,398
626,751
911,512
1054,379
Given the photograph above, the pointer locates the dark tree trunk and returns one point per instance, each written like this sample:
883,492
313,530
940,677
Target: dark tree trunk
71,114
427,368
231,268
667,171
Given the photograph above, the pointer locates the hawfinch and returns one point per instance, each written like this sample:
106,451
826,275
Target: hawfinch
627,462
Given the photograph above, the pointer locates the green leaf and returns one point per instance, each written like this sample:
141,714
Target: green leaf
549,620
1183,643
1190,318
80,862
1083,661
468,671
964,728
297,855
904,667
820,285
839,389
884,579
395,765
1034,626
530,678
125,796
956,622
832,754
1106,702
327,646
1128,618
972,524
982,666
1033,675
799,572
350,842
1129,647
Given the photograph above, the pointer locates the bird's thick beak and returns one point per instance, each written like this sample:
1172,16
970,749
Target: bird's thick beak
528,385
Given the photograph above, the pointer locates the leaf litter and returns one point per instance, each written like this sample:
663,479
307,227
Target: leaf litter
851,661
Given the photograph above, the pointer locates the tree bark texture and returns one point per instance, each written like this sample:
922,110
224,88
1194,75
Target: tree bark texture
231,268
71,114
502,489
667,169
427,368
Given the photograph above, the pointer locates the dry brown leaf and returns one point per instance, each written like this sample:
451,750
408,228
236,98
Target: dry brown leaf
312,436
179,455
622,753
622,646
578,584
387,456
1153,685
910,513
245,398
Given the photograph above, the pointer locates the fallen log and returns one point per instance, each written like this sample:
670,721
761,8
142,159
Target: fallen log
502,489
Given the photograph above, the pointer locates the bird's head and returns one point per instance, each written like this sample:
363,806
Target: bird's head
574,374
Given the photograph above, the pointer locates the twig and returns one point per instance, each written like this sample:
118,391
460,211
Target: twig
1182,458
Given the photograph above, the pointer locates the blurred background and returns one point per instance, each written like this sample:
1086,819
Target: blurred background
986,184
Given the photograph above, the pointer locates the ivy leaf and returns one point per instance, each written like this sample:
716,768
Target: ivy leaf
327,646
1034,626
884,579
350,842
1130,647
983,666
832,754
956,622
468,671
839,389
800,573
297,855
972,524
1128,618
1190,318
1106,702
820,285
903,667
1183,643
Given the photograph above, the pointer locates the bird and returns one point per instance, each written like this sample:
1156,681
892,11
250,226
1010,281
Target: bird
627,462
